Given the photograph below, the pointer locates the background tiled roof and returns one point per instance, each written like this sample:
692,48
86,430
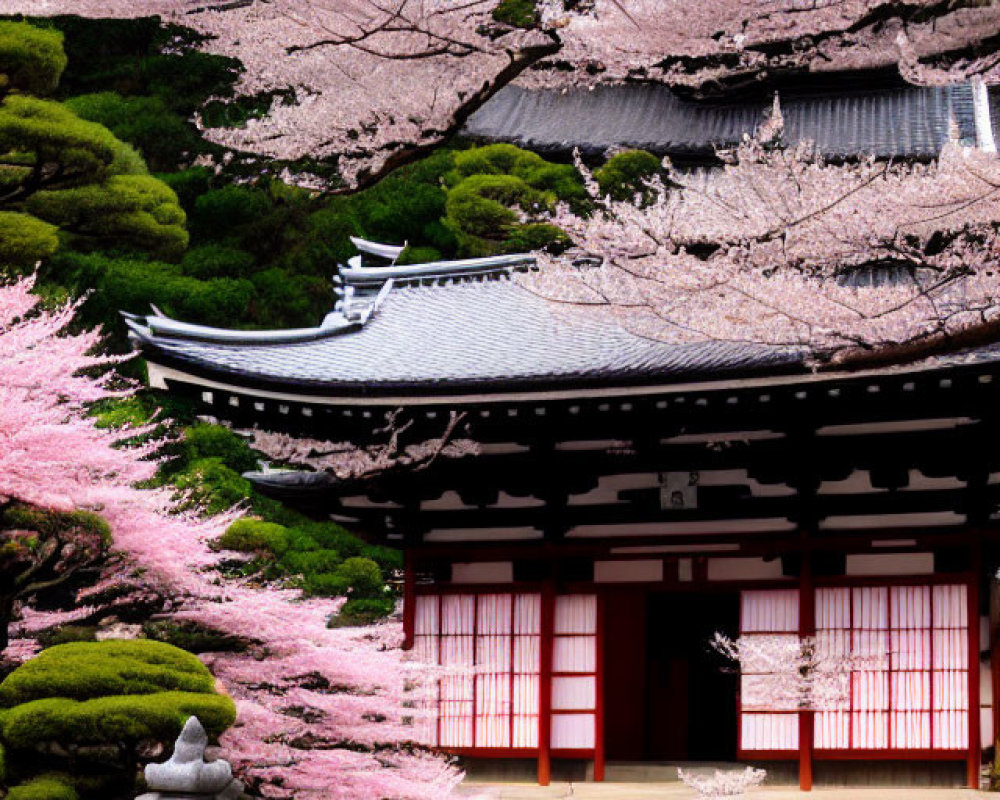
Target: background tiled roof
908,121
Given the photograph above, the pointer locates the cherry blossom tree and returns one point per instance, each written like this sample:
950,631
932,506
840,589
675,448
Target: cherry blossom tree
323,713
722,783
791,672
723,44
855,262
348,460
375,83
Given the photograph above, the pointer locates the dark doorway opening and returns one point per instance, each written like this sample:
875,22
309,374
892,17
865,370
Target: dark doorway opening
691,689
668,695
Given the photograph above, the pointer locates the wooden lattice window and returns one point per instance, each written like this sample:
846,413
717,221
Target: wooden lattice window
490,643
909,677
574,673
769,719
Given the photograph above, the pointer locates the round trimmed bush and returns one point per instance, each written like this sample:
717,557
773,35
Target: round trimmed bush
89,709
255,535
624,174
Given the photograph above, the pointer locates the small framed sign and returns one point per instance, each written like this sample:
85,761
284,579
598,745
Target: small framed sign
679,490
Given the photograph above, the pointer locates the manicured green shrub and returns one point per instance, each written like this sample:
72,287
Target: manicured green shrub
193,637
362,611
255,535
624,174
358,577
203,440
538,236
88,670
219,211
210,486
50,523
419,255
130,284
321,557
517,13
65,634
480,213
86,709
491,185
164,137
25,240
311,562
217,261
32,59
188,184
44,787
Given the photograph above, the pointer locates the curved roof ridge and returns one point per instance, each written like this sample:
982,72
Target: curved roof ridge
159,326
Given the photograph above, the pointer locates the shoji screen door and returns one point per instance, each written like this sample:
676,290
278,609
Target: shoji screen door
574,673
910,684
491,643
769,720
903,651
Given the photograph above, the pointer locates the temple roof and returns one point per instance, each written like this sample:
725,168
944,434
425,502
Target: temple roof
907,121
454,336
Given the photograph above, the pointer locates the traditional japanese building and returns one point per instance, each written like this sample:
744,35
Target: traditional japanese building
628,499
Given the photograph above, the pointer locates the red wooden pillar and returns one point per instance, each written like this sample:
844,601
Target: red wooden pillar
807,627
545,685
599,693
409,600
975,745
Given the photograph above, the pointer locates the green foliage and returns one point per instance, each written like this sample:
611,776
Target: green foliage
216,441
88,670
65,634
113,719
188,184
321,557
127,210
624,174
489,183
219,210
57,169
235,112
25,239
142,57
121,412
51,523
44,787
194,638
212,487
130,283
562,180
418,255
31,59
52,134
284,299
98,702
357,577
362,611
538,236
254,535
217,261
516,13
164,137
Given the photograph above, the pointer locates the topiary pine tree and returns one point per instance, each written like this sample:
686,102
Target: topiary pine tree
62,177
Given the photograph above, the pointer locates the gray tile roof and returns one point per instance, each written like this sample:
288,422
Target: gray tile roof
468,335
909,121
